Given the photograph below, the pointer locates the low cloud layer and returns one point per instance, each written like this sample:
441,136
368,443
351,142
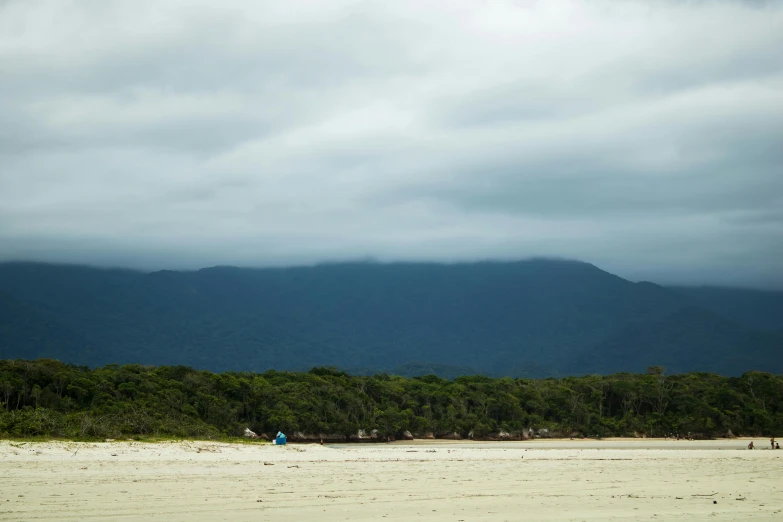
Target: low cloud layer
643,136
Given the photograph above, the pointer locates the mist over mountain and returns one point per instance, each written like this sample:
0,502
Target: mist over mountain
529,318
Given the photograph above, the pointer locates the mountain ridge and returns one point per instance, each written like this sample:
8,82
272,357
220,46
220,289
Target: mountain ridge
529,318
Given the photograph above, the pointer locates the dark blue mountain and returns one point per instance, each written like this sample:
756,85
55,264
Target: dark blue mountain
527,318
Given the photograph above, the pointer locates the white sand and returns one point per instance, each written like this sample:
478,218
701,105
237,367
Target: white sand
552,480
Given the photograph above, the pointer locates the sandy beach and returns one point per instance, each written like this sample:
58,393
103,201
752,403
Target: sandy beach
539,480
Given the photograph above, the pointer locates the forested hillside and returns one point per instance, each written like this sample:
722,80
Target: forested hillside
49,398
531,318
752,308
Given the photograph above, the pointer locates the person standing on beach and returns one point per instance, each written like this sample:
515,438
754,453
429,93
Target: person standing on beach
750,446
772,442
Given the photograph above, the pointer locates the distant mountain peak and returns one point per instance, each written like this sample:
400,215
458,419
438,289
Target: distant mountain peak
531,318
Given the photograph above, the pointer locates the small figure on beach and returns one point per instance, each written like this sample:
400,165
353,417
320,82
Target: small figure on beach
772,442
750,446
777,445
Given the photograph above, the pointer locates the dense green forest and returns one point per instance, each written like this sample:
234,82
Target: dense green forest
49,398
533,318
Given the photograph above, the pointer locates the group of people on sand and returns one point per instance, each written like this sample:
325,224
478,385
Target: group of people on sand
677,436
772,444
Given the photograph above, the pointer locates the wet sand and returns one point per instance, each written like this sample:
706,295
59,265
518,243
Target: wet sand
539,480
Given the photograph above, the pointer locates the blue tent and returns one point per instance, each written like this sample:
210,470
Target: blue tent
280,439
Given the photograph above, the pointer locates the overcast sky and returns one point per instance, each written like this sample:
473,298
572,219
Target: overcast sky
645,137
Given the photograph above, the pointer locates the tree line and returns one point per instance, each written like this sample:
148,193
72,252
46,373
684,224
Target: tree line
47,398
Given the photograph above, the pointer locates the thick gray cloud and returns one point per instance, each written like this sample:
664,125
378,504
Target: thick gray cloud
643,136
